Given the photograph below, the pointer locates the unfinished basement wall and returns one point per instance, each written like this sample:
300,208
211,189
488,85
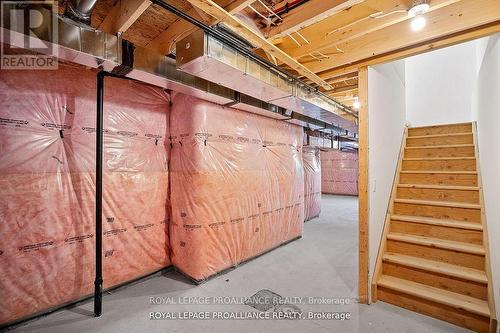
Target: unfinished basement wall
47,186
439,86
386,103
237,185
339,172
312,182
487,112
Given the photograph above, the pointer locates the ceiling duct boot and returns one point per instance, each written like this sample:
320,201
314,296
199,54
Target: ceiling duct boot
80,10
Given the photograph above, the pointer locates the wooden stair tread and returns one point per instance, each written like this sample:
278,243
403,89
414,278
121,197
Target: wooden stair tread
438,135
437,243
442,172
439,222
439,203
441,125
437,267
441,187
441,146
438,158
437,295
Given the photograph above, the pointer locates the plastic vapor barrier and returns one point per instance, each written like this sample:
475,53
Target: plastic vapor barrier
322,142
236,185
47,186
312,182
339,172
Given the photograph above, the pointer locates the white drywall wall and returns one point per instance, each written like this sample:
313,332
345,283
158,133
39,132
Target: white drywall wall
439,85
452,85
386,103
487,110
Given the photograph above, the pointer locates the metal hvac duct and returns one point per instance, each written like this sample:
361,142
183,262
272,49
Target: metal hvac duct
96,49
80,10
205,56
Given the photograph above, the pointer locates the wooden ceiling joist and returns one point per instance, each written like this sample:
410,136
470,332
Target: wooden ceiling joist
256,39
238,5
351,77
433,44
447,20
165,42
309,13
123,14
343,89
340,32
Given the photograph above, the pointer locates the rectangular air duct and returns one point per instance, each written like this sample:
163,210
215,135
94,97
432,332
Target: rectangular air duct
205,56
93,48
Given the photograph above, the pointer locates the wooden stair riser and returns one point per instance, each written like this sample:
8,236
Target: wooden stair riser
466,196
434,254
450,213
475,261
440,152
438,179
439,165
441,281
455,316
451,139
433,231
440,129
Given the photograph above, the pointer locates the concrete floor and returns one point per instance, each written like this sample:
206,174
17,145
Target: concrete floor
321,264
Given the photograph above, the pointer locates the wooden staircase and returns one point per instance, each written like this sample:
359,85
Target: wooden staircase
433,257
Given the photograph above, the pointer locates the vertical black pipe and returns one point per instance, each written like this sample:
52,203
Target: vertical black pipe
98,197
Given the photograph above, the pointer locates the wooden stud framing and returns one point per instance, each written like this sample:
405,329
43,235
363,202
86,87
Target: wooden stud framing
363,188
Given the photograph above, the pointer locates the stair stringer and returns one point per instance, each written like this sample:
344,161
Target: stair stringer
491,297
387,222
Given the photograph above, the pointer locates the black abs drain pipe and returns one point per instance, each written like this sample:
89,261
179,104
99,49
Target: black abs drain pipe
98,282
98,195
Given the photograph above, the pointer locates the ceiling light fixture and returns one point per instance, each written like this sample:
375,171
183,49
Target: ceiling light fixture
356,105
418,8
418,23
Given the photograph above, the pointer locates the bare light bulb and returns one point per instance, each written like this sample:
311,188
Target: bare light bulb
418,23
356,104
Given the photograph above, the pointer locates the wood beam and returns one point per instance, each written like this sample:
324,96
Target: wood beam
434,44
338,34
165,42
363,203
256,39
339,71
346,78
351,90
123,15
346,98
238,5
344,89
309,13
451,19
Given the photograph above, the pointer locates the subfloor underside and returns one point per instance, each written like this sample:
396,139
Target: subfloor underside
300,277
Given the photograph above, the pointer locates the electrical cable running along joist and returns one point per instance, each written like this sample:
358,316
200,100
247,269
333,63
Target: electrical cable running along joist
242,47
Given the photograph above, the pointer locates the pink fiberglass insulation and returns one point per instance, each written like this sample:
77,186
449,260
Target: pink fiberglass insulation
47,186
312,182
339,172
236,185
